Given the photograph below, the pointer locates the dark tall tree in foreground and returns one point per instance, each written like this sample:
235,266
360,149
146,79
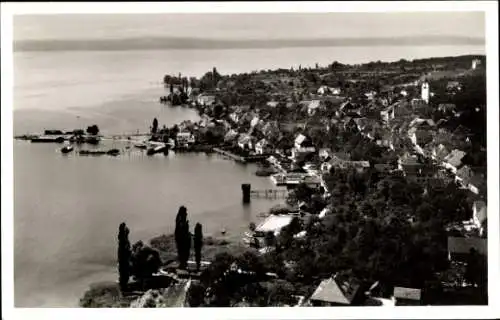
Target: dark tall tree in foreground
124,254
198,244
182,237
154,128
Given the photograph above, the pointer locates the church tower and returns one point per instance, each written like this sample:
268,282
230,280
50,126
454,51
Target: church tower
425,91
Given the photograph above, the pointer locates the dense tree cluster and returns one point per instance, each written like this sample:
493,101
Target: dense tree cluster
182,237
93,130
388,229
139,261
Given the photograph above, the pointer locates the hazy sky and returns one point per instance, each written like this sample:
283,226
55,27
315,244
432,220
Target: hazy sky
249,26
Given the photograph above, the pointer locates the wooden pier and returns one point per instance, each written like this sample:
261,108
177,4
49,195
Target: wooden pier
230,155
242,159
269,193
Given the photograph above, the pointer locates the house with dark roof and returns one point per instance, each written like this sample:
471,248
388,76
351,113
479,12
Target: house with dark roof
303,147
337,291
422,123
313,106
459,248
407,296
447,107
263,147
420,137
438,153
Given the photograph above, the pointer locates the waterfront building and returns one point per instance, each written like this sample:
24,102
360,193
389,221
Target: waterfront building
263,147
246,142
185,138
407,296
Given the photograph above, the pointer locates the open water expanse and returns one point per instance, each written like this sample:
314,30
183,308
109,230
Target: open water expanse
67,208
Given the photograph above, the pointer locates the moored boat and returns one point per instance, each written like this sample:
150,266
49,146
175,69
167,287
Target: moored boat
48,139
67,149
113,152
92,152
141,145
157,149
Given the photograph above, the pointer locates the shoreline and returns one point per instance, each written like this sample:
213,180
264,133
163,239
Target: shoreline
105,293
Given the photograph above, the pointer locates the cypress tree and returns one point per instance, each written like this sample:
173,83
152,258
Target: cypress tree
186,244
180,222
124,254
198,244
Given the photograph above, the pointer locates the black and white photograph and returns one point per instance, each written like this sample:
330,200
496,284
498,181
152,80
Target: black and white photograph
223,155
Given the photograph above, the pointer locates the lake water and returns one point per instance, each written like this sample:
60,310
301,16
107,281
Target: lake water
67,208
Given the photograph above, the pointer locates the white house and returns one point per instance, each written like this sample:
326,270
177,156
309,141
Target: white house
338,163
325,90
263,147
272,104
206,100
254,122
325,153
184,138
370,95
475,63
246,141
303,146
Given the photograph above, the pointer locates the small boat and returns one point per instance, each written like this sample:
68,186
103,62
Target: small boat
113,152
141,145
223,231
92,152
67,149
157,149
48,139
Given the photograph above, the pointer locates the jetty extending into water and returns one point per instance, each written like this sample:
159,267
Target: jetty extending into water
269,193
241,159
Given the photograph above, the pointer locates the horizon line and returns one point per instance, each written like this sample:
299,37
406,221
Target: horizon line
156,42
